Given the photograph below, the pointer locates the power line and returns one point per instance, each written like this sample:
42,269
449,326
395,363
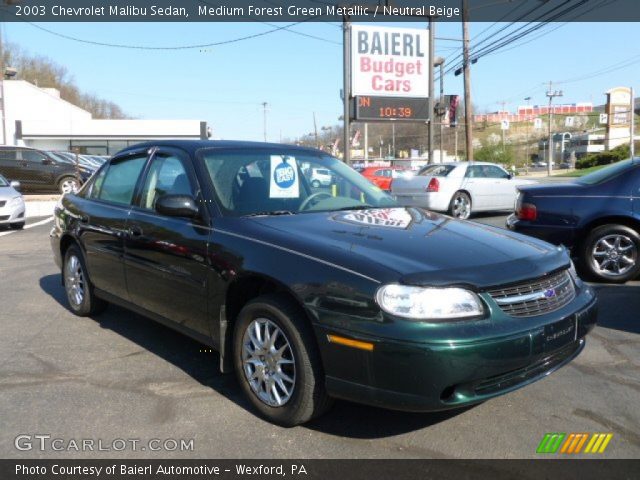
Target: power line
177,47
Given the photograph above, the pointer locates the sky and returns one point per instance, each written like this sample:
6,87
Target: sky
299,76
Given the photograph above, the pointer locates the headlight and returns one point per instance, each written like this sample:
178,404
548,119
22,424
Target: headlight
423,303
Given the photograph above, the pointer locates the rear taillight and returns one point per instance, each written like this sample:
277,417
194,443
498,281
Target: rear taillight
527,211
434,185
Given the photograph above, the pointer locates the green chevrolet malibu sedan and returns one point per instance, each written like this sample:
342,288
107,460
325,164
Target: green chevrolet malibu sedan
312,291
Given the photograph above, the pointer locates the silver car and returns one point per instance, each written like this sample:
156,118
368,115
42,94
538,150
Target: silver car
458,188
11,204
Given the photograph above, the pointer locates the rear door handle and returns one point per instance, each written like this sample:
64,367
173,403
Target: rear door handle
135,231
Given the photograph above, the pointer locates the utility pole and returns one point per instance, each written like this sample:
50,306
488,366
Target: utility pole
393,139
264,126
346,87
2,91
432,26
441,117
366,141
551,94
526,158
468,108
315,129
504,132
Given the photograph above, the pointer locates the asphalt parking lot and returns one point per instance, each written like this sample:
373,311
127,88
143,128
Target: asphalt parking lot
119,375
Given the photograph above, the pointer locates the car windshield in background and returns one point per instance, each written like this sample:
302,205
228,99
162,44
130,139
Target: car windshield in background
270,182
436,170
3,182
607,173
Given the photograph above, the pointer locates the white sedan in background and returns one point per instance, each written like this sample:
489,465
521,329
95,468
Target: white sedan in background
11,204
458,188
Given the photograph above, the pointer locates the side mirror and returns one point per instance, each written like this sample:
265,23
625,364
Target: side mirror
177,206
47,161
510,176
15,184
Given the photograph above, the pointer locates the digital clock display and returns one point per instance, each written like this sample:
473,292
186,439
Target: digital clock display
380,109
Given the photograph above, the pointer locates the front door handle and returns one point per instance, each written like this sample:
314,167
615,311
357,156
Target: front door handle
135,231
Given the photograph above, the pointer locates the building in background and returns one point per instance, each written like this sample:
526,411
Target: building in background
39,118
528,113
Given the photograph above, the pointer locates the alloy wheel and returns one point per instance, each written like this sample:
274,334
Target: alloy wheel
69,185
614,255
268,362
74,281
461,207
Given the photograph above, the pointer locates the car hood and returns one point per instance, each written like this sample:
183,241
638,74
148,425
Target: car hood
414,246
7,193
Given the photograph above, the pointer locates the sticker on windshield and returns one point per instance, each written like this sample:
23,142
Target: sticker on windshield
284,177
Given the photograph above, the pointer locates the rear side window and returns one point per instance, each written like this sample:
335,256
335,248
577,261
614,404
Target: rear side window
120,180
436,170
8,154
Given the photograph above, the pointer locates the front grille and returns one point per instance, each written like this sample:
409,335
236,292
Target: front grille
4,217
536,297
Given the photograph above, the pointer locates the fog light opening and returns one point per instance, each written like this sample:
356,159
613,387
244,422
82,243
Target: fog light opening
448,393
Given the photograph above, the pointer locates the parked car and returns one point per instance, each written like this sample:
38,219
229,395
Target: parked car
83,168
11,204
319,177
597,216
312,295
382,176
38,171
458,188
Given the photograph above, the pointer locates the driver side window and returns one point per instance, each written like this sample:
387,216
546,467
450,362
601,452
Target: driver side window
167,176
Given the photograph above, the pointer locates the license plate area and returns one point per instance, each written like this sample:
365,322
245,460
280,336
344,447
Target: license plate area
559,334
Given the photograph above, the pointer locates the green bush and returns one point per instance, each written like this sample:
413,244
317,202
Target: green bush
604,158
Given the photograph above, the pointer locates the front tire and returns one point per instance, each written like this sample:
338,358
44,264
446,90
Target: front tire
611,253
277,361
77,285
460,206
315,184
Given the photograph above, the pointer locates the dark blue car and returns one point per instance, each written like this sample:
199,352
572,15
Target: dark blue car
597,216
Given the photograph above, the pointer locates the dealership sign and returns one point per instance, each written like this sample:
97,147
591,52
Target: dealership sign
389,61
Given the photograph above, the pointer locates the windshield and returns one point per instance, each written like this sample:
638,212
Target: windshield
606,173
3,182
436,170
278,182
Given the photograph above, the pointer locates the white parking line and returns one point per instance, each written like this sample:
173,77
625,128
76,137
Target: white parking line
26,227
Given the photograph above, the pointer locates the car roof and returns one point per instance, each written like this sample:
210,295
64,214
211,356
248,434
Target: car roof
192,146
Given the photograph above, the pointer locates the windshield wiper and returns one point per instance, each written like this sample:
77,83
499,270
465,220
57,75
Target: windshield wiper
269,213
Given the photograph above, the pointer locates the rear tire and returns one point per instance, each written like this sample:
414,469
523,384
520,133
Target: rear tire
77,285
68,185
284,360
460,206
611,253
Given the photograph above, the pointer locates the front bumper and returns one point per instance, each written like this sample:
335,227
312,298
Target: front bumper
444,375
12,215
